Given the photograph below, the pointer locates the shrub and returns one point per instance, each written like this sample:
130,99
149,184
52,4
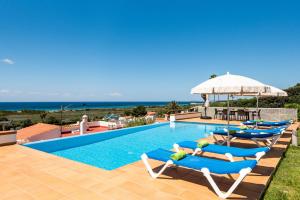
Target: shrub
3,119
43,116
25,123
139,122
127,112
161,112
139,111
52,120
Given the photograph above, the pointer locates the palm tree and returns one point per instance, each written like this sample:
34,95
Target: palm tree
213,76
172,107
43,116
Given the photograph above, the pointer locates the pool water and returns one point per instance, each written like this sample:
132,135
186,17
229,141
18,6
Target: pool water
120,147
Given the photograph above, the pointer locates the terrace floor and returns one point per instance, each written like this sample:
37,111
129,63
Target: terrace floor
30,174
96,129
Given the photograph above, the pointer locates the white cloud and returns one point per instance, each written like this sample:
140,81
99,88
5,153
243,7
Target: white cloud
33,93
4,91
66,94
8,61
115,94
53,94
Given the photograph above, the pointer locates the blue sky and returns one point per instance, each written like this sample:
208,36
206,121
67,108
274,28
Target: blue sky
68,50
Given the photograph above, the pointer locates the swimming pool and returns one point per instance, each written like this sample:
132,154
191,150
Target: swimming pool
113,149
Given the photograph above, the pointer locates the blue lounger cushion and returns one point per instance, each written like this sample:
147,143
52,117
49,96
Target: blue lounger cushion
273,130
266,123
219,149
197,163
246,134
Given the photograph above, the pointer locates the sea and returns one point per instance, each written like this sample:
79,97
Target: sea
54,106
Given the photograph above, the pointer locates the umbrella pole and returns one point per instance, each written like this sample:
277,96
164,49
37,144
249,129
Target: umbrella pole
257,106
228,142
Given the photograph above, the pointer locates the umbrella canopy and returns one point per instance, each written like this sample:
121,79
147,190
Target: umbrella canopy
273,91
230,84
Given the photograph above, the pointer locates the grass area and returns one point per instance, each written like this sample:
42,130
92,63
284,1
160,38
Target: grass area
286,181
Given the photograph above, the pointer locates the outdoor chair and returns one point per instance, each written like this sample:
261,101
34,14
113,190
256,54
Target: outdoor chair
224,114
268,136
268,123
232,115
207,166
218,114
242,115
256,115
229,152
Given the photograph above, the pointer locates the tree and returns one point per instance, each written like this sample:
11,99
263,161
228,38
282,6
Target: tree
172,107
139,111
43,116
25,123
3,119
213,76
52,120
127,112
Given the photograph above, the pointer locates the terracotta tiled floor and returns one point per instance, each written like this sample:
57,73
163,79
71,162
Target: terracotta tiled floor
91,130
29,174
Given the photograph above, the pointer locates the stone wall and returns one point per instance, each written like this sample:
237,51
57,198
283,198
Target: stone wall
268,114
8,137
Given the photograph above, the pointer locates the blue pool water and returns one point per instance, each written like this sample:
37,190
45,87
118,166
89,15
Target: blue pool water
113,149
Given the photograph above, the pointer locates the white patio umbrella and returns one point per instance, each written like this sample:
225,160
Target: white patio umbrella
230,84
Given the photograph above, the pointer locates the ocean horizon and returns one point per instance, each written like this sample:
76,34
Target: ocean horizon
54,106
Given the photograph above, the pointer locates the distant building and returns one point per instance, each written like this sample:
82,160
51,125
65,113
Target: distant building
38,132
151,115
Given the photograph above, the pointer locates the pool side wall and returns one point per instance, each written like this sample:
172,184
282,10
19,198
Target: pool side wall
75,141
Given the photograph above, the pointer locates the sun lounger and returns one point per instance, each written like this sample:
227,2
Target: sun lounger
251,130
204,165
267,124
229,152
269,137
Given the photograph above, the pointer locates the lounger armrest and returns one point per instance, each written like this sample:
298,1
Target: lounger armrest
176,147
229,156
259,155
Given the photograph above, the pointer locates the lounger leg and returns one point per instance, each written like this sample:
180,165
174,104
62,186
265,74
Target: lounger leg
149,169
274,140
269,141
217,141
259,155
221,194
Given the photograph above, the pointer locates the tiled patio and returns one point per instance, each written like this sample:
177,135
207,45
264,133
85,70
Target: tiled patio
96,129
29,174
